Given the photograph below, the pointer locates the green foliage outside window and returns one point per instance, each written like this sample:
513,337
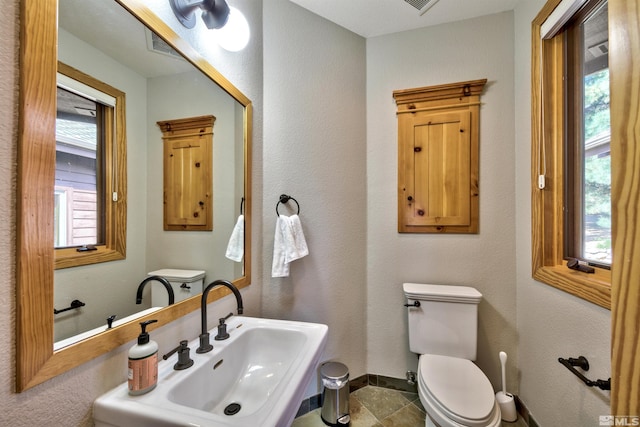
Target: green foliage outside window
597,168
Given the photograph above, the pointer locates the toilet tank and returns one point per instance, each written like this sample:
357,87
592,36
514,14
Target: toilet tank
185,284
446,322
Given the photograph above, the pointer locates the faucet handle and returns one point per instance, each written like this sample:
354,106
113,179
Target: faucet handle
110,320
222,329
184,359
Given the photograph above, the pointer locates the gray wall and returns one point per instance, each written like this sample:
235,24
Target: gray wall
315,150
467,50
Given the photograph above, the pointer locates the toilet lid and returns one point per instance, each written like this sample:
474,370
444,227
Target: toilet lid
459,386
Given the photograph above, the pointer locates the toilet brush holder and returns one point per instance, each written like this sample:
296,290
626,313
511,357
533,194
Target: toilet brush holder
507,406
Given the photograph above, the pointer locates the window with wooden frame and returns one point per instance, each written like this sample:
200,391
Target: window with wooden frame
571,167
90,214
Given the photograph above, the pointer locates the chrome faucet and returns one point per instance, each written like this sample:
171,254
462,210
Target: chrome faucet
160,279
205,345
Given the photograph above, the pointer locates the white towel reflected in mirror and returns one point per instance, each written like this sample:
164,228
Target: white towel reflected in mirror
235,248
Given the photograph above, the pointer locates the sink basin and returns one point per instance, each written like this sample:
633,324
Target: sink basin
256,378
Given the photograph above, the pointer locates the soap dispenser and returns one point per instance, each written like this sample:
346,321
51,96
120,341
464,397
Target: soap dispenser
143,363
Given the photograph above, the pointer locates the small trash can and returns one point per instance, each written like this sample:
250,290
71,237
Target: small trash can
335,394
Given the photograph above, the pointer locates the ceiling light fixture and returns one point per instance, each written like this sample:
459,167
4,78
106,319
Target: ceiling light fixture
235,35
215,13
232,27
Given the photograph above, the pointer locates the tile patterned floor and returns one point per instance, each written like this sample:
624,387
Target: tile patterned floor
381,407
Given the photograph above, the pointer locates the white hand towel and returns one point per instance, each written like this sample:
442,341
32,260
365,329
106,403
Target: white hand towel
289,244
295,243
235,248
279,268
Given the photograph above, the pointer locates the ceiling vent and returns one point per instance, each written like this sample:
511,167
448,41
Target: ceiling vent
422,5
85,111
600,49
156,44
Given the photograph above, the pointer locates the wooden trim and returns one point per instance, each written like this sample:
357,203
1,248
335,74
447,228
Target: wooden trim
438,108
184,135
437,92
179,125
248,199
624,68
36,173
547,130
36,362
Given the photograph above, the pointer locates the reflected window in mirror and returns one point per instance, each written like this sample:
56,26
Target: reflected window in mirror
81,129
90,177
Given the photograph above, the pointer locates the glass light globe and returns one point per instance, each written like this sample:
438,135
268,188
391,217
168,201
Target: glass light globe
234,36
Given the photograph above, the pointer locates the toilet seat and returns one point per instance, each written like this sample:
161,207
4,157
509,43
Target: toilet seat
457,392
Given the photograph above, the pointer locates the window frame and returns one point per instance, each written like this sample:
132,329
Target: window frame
574,242
548,129
115,182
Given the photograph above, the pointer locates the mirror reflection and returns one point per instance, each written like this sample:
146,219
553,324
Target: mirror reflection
81,125
102,40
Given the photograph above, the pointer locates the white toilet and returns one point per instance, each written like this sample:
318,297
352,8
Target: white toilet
443,326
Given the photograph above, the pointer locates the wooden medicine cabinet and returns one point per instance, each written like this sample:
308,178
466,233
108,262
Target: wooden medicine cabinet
438,148
188,170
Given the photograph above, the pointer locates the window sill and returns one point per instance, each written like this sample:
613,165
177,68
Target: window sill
595,287
70,257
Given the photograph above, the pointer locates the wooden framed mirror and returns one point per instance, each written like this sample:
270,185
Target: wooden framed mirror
36,359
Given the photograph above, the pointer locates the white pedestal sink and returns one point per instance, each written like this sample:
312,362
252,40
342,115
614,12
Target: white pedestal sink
256,378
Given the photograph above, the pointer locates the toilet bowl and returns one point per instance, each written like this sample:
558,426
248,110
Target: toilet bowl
456,393
443,331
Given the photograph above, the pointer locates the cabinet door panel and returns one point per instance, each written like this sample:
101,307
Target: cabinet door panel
188,172
441,157
186,182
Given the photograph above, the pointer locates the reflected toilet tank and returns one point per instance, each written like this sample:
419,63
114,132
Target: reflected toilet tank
185,284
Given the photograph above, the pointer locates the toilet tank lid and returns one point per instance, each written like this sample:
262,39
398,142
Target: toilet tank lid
445,293
172,274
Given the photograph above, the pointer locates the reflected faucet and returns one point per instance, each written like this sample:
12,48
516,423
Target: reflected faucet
205,345
160,279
